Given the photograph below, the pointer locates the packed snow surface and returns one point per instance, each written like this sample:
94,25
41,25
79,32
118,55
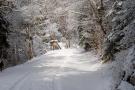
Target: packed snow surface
67,69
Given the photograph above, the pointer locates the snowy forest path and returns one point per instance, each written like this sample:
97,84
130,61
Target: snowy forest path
67,69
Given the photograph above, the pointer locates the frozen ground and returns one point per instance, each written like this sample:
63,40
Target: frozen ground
67,69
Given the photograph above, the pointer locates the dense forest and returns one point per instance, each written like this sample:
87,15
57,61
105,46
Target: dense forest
30,29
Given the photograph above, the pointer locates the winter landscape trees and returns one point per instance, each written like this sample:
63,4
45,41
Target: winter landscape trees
29,28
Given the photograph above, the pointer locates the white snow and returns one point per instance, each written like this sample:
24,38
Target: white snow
125,86
66,69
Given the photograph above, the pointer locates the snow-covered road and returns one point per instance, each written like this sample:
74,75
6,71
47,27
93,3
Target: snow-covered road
67,69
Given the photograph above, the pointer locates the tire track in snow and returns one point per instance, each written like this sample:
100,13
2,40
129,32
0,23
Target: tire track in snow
22,79
57,84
